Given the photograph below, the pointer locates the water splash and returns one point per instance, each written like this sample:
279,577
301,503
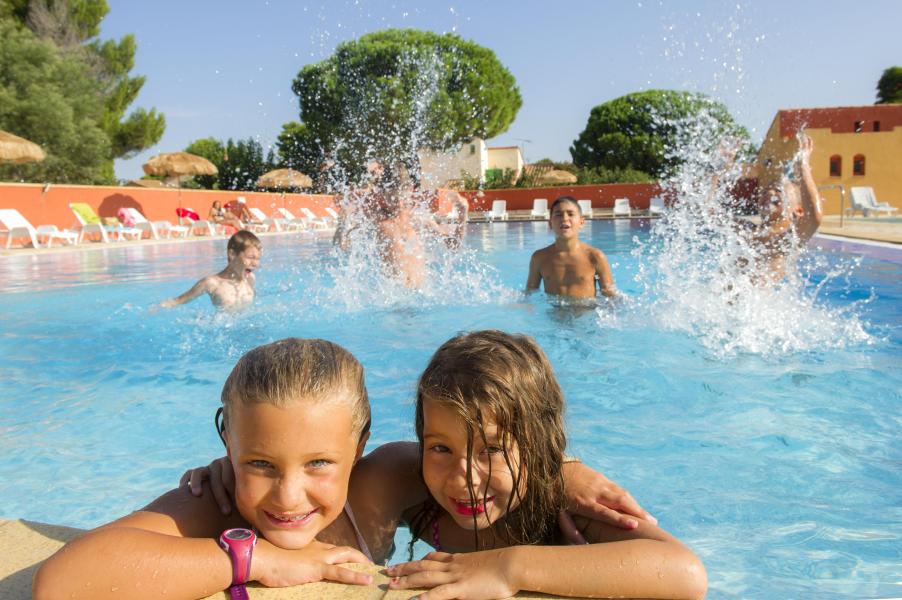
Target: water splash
701,271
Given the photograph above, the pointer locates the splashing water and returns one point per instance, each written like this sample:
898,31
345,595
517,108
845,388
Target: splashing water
701,272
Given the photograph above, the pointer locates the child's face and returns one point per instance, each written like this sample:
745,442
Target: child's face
445,468
566,220
247,261
292,467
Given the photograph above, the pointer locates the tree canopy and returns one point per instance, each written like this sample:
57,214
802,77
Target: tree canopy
636,134
240,163
391,92
889,88
71,28
51,99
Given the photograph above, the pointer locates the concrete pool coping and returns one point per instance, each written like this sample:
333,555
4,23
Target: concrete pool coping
25,544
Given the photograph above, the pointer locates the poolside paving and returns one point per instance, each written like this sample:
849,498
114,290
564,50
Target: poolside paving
24,544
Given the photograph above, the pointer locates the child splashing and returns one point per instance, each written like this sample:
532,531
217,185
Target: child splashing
489,419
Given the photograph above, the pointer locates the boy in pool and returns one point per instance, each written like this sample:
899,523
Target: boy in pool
232,288
296,417
568,267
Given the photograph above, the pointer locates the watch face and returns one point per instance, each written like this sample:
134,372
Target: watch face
238,534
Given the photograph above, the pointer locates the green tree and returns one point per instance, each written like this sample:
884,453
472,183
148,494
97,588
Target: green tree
51,99
242,164
72,26
298,149
214,151
889,88
394,91
637,134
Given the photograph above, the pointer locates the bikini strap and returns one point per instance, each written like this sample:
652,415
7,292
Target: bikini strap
361,543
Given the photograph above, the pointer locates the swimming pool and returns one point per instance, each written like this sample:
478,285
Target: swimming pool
777,462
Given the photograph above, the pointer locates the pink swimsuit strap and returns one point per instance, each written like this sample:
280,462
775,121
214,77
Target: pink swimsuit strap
436,543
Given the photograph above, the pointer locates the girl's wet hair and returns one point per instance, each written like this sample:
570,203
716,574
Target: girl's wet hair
506,379
293,369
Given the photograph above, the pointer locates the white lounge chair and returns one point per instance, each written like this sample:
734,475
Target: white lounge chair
17,226
333,215
285,221
89,222
313,220
157,229
265,224
656,206
585,207
863,199
499,211
622,207
540,208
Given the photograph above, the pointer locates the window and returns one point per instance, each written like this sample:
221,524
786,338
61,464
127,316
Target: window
859,126
876,125
472,148
858,164
836,165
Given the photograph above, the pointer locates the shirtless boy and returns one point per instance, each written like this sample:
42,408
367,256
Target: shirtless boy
233,287
569,267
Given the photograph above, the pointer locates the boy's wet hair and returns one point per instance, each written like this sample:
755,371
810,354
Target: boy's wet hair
562,199
505,378
242,240
283,372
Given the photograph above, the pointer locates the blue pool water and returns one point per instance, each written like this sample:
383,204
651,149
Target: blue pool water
772,449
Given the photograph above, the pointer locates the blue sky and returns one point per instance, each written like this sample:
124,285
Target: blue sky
224,68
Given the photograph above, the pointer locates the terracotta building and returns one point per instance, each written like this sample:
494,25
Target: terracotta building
853,146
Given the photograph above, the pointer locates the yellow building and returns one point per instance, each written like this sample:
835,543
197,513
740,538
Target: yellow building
503,158
853,146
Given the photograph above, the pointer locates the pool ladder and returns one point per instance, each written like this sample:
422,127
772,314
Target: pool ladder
842,198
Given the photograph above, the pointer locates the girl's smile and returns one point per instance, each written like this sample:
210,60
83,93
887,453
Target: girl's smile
445,468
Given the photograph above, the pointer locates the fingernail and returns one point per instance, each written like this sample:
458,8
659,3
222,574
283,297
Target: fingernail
632,523
395,579
653,519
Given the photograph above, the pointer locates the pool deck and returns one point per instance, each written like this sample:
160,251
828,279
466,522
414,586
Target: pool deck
865,230
25,544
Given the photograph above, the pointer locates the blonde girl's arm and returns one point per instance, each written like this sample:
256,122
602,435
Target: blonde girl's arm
171,548
643,563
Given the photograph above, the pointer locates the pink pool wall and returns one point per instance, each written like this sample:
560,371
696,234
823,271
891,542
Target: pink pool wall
51,207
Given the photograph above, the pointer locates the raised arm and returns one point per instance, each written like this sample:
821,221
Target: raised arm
535,275
198,289
810,216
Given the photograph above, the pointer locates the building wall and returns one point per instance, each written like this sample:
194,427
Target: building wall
438,168
506,157
52,207
833,132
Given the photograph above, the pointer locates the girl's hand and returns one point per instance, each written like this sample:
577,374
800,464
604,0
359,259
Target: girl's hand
472,576
592,495
221,478
276,567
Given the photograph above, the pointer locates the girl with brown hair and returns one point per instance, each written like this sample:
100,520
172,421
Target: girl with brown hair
489,420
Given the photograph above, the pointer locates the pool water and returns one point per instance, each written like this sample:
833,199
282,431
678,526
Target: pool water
779,464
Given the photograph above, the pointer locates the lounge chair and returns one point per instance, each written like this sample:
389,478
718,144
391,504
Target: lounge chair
622,207
313,220
333,213
265,224
89,222
585,207
157,229
499,211
656,206
196,225
17,226
288,221
863,199
540,208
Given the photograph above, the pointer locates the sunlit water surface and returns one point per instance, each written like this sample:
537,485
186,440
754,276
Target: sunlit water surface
770,445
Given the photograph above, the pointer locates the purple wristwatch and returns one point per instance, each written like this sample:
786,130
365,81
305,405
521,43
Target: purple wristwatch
239,544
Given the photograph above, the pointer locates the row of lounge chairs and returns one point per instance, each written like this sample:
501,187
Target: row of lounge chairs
540,211
134,226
